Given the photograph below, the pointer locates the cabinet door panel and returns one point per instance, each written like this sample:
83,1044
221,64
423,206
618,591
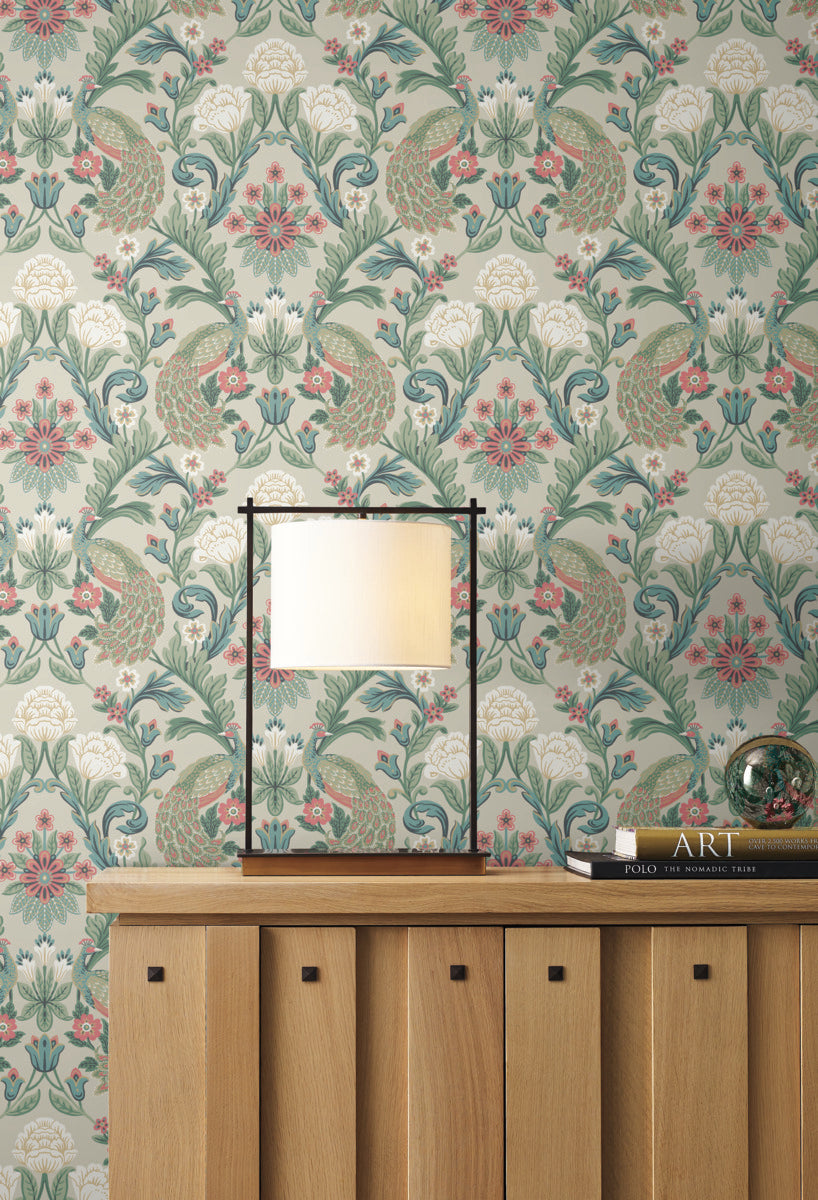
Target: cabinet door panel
381,997
157,1063
809,1062
232,1061
700,1110
308,1076
455,1043
774,1049
553,1075
627,1063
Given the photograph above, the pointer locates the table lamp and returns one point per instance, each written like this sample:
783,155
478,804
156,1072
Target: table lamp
360,589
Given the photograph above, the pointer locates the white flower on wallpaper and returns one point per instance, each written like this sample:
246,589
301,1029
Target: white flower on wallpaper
221,540
506,282
559,324
505,714
221,109
9,316
90,1182
97,756
790,109
737,499
453,325
98,325
447,757
736,67
685,108
790,541
275,67
44,282
683,539
45,714
44,1146
276,489
9,750
328,109
559,756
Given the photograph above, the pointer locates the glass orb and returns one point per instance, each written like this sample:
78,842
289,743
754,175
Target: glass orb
771,782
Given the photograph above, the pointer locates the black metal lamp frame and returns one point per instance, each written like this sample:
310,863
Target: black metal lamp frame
252,858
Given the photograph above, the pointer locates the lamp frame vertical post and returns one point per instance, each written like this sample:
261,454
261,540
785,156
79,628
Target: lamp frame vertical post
472,512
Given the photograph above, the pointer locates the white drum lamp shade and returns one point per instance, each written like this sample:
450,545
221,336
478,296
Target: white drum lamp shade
349,593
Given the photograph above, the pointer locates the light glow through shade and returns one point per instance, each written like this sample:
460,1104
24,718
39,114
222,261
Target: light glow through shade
351,593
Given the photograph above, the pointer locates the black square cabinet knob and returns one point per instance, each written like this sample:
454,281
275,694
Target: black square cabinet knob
457,971
309,974
156,974
701,971
556,974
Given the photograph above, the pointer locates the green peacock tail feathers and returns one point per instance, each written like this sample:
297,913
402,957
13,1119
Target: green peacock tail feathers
412,192
130,205
196,8
803,423
649,419
139,621
594,632
179,834
370,405
188,420
594,202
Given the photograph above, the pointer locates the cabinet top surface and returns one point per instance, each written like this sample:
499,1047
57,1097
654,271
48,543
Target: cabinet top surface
526,893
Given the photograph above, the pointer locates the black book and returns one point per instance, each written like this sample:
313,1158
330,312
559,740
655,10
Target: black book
613,866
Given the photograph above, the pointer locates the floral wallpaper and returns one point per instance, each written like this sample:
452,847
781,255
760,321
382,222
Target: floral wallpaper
558,255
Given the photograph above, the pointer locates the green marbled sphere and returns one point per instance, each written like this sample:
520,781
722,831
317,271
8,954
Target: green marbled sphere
771,782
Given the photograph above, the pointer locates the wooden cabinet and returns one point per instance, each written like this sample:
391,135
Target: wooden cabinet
524,1036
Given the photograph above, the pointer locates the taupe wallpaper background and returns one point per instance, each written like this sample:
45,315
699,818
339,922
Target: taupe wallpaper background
559,256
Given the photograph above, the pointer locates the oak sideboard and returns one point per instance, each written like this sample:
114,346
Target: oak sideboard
527,1035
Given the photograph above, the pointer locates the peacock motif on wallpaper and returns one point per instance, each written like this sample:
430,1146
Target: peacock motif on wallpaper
372,823
650,420
410,187
593,633
665,782
92,985
180,836
796,344
593,203
187,417
360,420
130,204
140,617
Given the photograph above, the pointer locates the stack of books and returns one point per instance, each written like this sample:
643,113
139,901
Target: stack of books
683,852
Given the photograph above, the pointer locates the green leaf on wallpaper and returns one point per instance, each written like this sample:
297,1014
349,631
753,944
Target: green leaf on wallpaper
258,24
524,242
752,107
490,757
63,241
718,456
721,540
756,457
66,1106
24,1105
681,144
755,25
486,241
26,671
752,539
63,672
490,671
717,25
289,453
525,673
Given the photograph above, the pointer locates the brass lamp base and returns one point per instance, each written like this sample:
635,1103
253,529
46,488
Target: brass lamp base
398,862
